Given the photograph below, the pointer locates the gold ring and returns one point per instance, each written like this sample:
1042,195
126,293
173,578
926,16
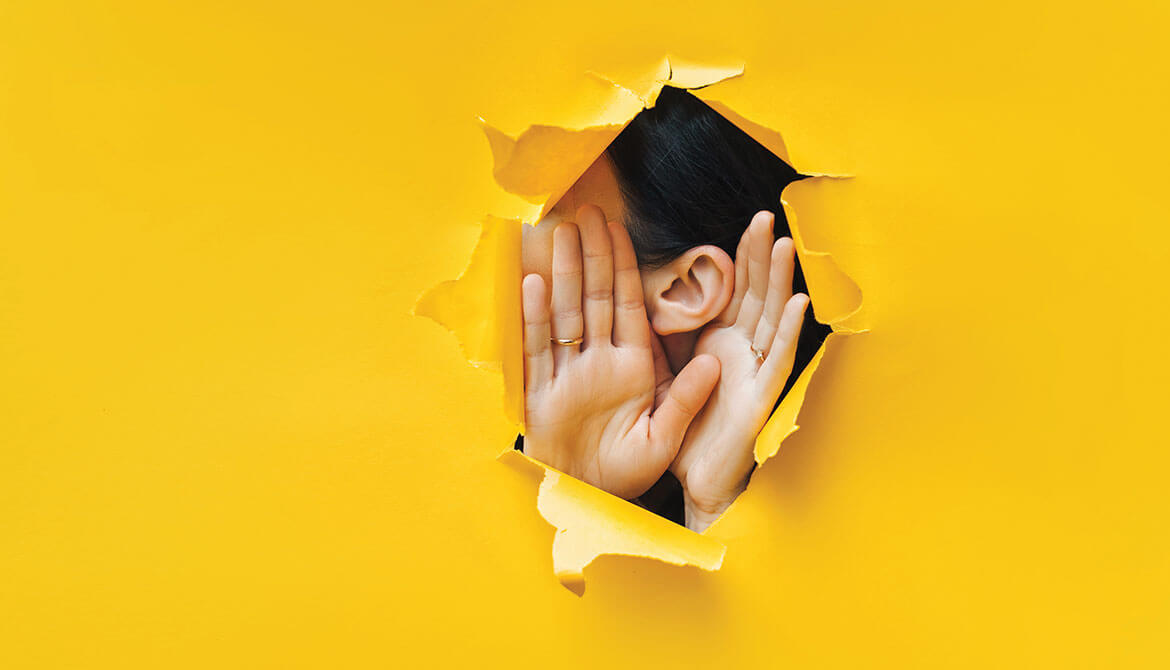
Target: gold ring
567,341
759,354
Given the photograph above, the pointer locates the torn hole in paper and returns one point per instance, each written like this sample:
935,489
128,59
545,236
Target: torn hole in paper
482,309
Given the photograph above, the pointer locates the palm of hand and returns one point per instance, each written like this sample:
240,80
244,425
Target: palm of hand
763,316
594,408
716,457
594,416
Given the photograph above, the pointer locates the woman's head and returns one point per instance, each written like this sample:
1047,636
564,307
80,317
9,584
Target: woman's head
690,177
686,183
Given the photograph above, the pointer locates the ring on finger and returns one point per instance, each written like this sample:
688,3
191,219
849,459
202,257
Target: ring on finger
567,341
758,354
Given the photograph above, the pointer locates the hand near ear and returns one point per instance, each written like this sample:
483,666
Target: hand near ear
591,406
763,316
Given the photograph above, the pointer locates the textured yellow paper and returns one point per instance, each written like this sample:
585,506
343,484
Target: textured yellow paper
226,441
482,308
540,165
591,523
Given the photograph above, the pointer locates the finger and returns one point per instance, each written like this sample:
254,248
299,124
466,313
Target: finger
566,289
662,373
729,314
759,252
538,357
779,291
630,327
778,365
597,253
684,400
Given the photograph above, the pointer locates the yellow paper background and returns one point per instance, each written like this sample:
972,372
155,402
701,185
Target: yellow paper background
482,310
225,441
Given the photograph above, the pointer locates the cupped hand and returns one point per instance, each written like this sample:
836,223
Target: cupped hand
592,409
763,316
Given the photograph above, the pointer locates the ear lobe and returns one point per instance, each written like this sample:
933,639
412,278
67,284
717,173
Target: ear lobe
691,291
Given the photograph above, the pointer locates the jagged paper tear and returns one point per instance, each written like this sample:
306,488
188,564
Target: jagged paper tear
482,309
591,522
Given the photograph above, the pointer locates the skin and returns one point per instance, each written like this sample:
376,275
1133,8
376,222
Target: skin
610,411
595,410
596,186
717,457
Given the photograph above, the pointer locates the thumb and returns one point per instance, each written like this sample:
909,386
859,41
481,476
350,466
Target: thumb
684,399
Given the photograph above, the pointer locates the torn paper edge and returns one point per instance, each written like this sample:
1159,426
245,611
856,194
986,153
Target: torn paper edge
479,323
590,522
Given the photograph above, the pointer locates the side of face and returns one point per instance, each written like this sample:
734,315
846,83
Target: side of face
596,186
681,296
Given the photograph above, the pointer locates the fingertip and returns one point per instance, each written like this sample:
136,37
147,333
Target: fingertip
589,211
707,360
761,229
532,285
564,229
566,249
706,367
763,221
695,382
618,233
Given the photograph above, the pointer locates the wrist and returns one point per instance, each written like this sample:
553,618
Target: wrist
699,516
706,498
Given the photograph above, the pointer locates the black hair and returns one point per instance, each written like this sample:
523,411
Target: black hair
690,177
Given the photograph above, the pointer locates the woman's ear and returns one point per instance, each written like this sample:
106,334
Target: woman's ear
690,291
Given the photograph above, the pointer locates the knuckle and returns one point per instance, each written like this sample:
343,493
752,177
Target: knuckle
568,314
682,404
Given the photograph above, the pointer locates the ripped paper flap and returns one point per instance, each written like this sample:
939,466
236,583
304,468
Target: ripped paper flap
482,308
